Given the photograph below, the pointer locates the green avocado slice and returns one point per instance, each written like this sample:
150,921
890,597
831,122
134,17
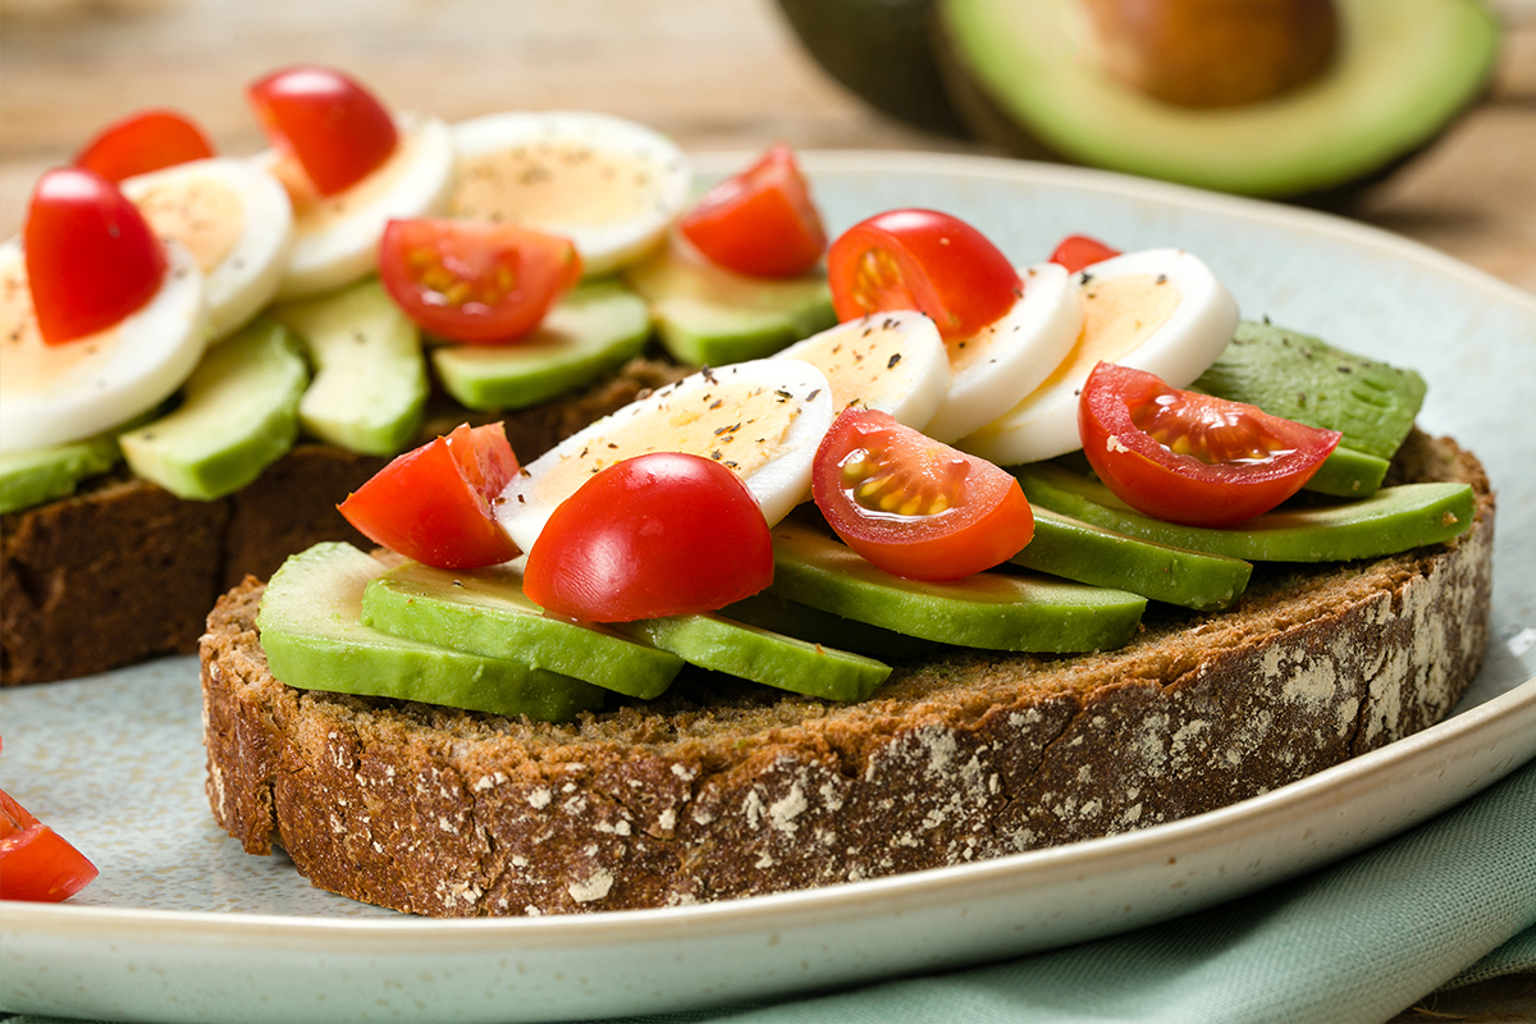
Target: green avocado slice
38,475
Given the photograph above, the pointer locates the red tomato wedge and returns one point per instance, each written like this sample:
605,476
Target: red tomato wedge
479,282
664,533
144,142
91,257
337,130
913,506
434,504
1078,251
762,222
922,260
1190,458
36,863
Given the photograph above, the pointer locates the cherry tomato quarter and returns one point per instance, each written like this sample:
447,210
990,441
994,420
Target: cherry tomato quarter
913,506
147,141
1191,458
922,260
666,533
91,258
1078,251
478,282
762,222
36,863
336,129
435,504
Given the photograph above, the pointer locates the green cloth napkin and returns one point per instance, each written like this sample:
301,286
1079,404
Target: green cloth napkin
1448,903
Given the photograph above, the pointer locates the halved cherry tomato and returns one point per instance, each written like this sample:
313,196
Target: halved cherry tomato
475,281
913,506
91,257
664,533
762,222
1191,458
36,863
434,504
1078,251
337,130
922,260
144,142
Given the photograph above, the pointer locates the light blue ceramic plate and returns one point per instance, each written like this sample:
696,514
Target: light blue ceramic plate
182,925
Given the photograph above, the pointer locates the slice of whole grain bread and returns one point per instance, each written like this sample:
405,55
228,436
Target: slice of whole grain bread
721,790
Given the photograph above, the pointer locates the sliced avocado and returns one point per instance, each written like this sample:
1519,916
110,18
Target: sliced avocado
311,631
1027,75
997,611
597,327
1346,473
708,316
40,475
1391,520
239,414
1305,379
370,383
1075,550
763,656
772,612
484,612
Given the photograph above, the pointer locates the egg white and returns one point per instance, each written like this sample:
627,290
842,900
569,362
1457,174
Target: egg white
1178,349
613,187
243,275
336,238
762,419
54,394
894,362
993,370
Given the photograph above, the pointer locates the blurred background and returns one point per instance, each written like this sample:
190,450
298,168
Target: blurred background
714,74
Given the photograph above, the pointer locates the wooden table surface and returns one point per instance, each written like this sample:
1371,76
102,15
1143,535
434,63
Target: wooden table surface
713,74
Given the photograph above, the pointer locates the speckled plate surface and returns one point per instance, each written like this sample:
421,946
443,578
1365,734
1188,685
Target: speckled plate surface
182,925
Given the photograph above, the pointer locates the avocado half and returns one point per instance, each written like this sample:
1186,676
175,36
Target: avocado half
1023,74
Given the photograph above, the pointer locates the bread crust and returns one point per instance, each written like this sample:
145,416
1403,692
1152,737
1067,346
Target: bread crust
123,570
719,791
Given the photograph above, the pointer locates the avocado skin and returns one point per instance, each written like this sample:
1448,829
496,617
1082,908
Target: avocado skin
880,50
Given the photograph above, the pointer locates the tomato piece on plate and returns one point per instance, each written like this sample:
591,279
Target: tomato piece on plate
914,506
91,257
762,222
336,129
665,533
922,260
144,142
475,281
1191,458
1078,251
36,863
434,504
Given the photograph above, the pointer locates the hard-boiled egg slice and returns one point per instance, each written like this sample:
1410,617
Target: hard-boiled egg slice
762,419
1003,362
336,238
611,186
53,394
1160,310
235,219
894,362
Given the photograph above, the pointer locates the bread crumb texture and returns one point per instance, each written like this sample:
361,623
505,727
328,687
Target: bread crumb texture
719,790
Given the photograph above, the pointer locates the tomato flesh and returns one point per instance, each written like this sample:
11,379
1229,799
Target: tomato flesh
762,222
1078,251
147,141
913,506
478,282
435,504
1191,458
91,257
666,533
922,260
336,129
36,863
